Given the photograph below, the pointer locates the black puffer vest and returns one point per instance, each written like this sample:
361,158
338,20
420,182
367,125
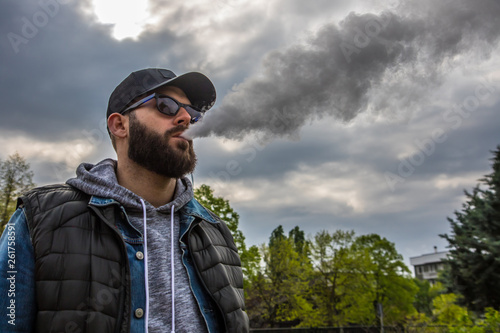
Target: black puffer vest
81,267
81,274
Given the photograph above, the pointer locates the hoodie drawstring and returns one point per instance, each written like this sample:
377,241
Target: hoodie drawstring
172,265
146,278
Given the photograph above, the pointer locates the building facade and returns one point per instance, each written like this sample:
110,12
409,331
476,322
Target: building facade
427,266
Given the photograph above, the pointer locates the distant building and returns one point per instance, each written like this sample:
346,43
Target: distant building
427,266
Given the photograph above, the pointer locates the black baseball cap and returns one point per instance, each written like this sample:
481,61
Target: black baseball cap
197,87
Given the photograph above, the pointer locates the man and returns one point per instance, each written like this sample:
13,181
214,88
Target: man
124,246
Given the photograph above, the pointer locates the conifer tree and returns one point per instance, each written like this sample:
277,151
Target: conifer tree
474,265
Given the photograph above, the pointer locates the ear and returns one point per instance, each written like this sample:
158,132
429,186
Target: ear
118,125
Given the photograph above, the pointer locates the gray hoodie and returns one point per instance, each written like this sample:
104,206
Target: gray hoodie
100,180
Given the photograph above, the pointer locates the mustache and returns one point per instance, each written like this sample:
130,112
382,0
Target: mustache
176,129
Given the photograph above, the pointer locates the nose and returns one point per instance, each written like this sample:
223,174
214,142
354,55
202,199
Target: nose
182,117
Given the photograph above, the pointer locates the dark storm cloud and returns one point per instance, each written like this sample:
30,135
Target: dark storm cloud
50,68
59,67
340,68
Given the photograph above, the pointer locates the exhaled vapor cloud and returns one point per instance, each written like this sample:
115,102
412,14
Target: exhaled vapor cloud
369,61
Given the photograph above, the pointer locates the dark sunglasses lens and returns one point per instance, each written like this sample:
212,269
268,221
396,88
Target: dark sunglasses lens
167,106
170,107
194,113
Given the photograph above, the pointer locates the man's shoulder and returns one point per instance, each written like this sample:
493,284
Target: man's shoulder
211,220
53,194
194,207
49,188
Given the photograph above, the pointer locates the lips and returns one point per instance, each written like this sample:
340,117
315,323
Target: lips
179,132
180,136
176,135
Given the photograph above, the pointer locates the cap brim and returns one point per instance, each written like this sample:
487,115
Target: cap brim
197,87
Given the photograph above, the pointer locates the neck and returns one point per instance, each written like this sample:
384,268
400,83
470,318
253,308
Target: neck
156,189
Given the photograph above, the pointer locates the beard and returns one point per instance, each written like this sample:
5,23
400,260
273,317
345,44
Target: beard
157,153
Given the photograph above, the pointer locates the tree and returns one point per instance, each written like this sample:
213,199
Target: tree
298,238
425,295
447,312
339,284
276,296
473,265
15,178
392,288
250,258
492,320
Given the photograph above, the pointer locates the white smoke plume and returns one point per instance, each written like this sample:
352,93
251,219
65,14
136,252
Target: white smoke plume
366,62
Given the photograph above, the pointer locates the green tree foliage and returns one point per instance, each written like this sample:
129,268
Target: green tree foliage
298,238
462,323
391,284
423,299
491,320
250,258
15,178
425,296
340,287
474,268
447,312
332,280
277,294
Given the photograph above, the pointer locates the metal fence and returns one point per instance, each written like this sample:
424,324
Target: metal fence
356,329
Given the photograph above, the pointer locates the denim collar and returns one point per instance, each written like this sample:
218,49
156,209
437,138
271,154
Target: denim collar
192,208
102,202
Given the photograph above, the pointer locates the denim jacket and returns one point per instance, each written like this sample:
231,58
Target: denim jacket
17,275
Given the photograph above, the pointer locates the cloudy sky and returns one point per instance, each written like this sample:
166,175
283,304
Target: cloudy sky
371,115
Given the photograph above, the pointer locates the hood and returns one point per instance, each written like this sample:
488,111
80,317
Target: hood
100,180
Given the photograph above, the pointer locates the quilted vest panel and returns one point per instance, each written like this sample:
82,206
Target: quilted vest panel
219,266
80,271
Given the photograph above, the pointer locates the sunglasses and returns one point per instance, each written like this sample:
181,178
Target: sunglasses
168,106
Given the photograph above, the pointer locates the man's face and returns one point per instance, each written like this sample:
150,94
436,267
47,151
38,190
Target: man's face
155,140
